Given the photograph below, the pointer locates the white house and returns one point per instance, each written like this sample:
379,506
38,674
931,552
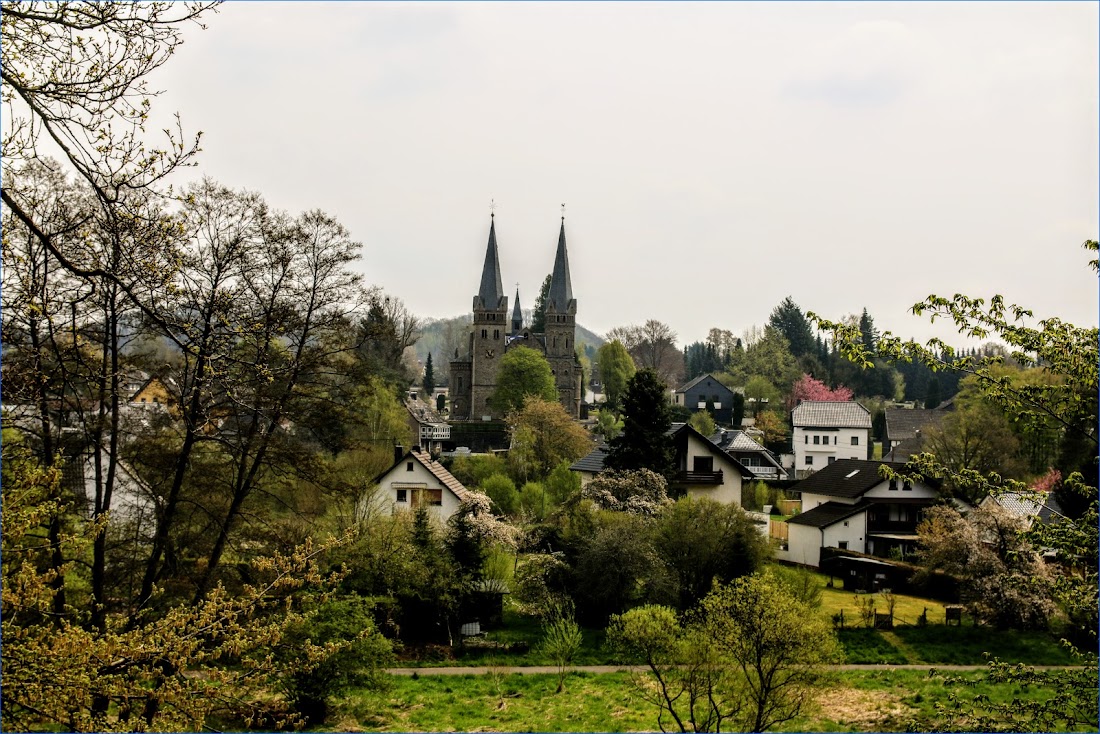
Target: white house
850,506
825,432
414,481
702,468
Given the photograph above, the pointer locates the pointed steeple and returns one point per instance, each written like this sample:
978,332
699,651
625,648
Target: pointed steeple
561,288
517,316
491,293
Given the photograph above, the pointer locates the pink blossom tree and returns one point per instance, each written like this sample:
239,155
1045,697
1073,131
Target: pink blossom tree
808,388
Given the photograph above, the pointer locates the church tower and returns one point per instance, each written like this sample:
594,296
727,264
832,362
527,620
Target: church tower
561,327
490,331
517,317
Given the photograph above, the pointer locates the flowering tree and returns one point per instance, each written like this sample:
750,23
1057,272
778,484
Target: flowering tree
808,388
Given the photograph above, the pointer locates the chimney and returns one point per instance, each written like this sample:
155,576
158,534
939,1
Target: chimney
398,452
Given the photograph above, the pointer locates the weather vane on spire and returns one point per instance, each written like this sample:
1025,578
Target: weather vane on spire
492,207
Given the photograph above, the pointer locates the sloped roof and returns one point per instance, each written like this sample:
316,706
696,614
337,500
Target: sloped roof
1042,506
491,293
700,378
445,478
561,287
846,478
593,461
736,441
828,514
902,424
826,414
684,429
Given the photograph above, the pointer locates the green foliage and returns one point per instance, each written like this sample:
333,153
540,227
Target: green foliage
534,502
561,642
704,542
474,469
703,422
523,372
616,369
640,492
502,491
643,443
787,318
562,483
546,435
800,583
608,424
538,317
361,656
746,658
428,382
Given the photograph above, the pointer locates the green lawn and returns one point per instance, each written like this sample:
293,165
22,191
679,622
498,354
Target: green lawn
851,701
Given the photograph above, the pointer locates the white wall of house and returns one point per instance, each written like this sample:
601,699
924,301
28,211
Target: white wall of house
411,480
729,491
916,491
822,445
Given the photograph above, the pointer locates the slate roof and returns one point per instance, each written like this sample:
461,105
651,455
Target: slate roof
828,514
593,462
902,424
825,414
845,478
561,287
1044,508
700,378
491,293
736,441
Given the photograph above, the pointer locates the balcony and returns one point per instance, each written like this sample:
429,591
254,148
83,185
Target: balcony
699,477
435,432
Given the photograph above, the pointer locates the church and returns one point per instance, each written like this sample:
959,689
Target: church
473,376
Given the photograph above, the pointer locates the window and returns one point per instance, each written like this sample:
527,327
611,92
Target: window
402,495
843,545
807,439
409,466
809,461
855,440
496,333
832,459
845,523
703,464
893,484
834,440
907,487
484,333
434,496
817,440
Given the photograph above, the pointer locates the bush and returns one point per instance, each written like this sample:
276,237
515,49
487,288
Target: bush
502,491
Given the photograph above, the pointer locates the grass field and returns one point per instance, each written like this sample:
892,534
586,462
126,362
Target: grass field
852,701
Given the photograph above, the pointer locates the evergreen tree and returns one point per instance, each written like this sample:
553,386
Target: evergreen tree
933,397
644,443
788,319
538,318
867,329
429,376
738,409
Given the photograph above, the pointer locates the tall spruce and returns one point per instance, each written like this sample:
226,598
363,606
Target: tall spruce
644,442
429,376
538,318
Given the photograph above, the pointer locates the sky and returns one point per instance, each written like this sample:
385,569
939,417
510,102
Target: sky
713,158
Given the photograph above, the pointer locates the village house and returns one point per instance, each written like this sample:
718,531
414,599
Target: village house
415,480
826,431
706,393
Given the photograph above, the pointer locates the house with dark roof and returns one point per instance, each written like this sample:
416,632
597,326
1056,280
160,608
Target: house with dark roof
415,480
750,453
902,436
849,505
826,431
705,392
703,469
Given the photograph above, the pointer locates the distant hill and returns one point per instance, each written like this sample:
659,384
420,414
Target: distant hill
440,338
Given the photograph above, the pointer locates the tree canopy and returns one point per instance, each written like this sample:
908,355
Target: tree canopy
523,371
644,443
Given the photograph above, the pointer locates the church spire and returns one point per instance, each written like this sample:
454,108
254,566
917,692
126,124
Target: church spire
517,315
561,288
491,293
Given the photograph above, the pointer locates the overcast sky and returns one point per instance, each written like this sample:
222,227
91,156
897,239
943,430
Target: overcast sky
713,157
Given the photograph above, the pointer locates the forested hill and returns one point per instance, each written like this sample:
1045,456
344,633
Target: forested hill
441,337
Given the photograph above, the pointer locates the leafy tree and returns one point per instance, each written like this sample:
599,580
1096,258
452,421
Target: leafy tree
703,422
551,433
429,377
807,388
768,356
502,491
1004,580
975,437
533,501
652,346
538,317
523,371
474,469
704,542
1069,354
562,483
616,369
787,318
774,427
608,424
747,658
644,443
561,641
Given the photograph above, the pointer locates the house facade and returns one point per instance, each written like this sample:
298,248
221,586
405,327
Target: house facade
750,453
702,468
415,480
849,505
826,432
705,392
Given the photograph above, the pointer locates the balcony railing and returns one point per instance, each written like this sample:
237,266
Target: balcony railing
699,477
435,432
764,471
